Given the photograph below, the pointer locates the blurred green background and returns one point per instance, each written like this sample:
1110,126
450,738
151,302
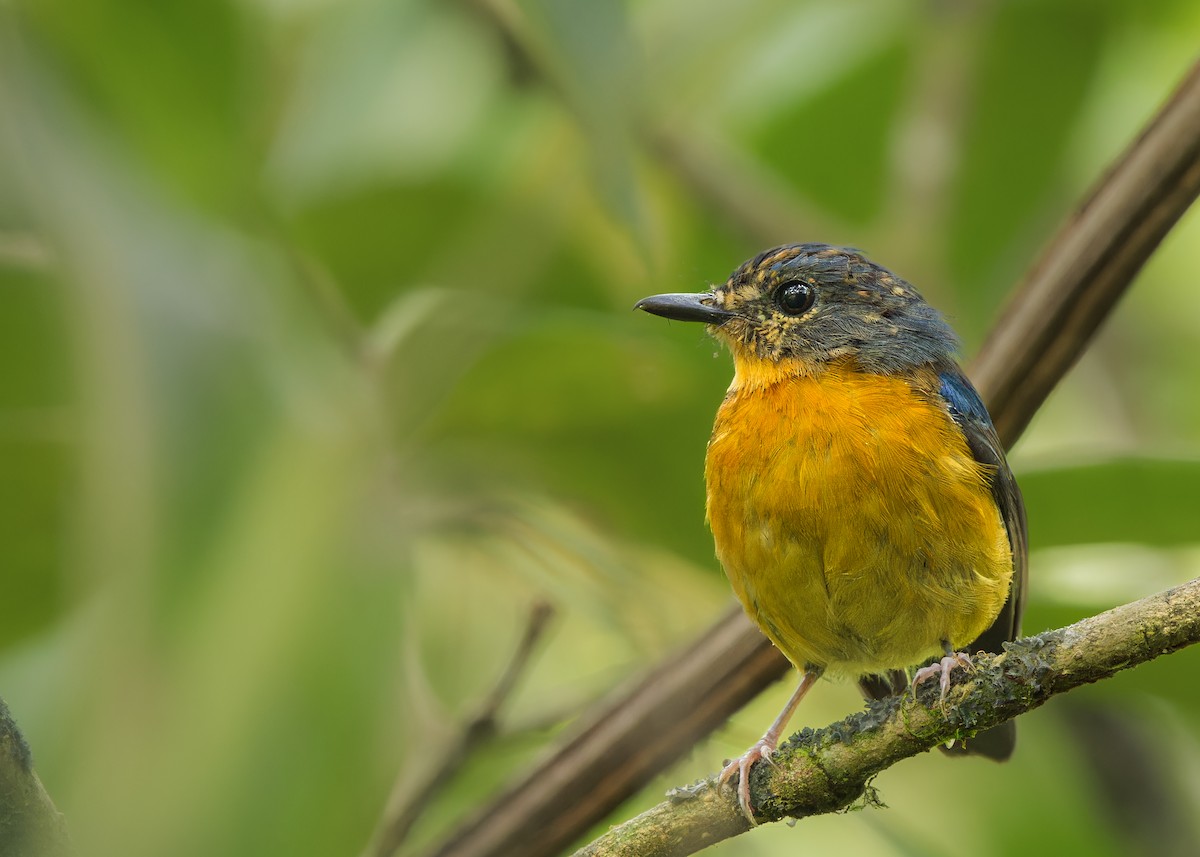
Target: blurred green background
319,370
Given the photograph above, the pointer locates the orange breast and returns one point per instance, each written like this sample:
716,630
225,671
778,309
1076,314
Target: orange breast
854,524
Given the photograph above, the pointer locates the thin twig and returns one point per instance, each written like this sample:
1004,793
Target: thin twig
408,802
632,737
830,769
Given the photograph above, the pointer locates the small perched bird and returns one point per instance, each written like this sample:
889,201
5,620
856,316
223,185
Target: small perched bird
858,494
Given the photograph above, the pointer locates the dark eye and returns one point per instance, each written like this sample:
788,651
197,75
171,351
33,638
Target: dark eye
795,297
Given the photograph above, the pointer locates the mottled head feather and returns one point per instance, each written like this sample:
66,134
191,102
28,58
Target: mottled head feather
862,312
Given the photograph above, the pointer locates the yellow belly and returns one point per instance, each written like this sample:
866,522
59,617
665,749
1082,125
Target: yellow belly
854,524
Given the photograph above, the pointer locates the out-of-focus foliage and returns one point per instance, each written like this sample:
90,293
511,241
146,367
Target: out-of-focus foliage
319,370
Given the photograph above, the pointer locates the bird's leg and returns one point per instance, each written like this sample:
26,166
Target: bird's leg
945,666
766,744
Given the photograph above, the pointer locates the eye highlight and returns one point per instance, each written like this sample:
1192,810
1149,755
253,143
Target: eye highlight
795,297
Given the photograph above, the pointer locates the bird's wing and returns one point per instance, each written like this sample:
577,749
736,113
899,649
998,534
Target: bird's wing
968,411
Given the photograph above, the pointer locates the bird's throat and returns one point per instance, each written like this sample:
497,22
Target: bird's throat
751,372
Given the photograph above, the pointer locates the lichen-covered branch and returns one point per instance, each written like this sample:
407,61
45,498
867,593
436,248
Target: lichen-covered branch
830,769
29,823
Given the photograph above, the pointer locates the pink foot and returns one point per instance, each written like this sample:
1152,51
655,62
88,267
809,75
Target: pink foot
766,744
945,666
741,767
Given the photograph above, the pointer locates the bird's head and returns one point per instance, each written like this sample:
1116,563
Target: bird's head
796,308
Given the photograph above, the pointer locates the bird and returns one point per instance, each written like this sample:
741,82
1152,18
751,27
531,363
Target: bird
858,495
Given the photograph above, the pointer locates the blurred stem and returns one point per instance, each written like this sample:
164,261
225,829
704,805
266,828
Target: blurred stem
330,302
1131,775
409,802
927,141
830,769
30,825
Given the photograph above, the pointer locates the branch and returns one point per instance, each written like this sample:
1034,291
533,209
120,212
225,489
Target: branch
641,730
402,812
29,822
1053,314
831,769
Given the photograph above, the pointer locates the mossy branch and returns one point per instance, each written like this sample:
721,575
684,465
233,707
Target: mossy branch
830,769
30,825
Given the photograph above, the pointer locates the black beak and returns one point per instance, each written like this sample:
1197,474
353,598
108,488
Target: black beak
682,307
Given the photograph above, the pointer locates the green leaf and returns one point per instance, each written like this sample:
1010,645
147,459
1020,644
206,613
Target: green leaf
1148,500
176,81
36,452
379,239
834,146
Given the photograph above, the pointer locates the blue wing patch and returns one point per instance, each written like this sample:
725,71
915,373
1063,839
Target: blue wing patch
967,410
964,402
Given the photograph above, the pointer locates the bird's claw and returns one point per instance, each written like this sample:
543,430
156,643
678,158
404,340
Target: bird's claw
740,767
943,667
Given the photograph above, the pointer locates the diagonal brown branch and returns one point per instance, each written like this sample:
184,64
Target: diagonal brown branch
1091,262
641,730
830,769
